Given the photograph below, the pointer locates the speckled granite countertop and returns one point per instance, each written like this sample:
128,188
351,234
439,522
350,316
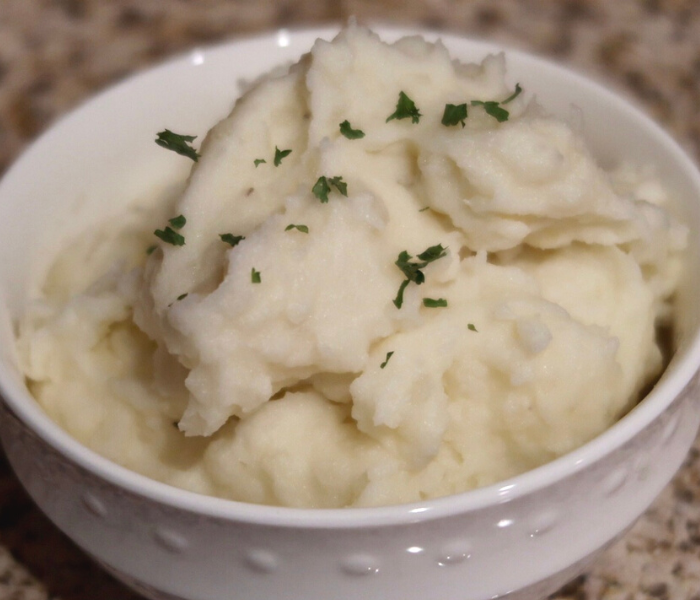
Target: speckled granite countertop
54,53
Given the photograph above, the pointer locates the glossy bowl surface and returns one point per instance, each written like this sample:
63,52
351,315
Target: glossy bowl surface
522,538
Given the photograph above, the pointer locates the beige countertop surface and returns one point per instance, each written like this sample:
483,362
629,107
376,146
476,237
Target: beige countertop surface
56,53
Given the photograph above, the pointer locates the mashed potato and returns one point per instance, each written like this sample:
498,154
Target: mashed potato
390,277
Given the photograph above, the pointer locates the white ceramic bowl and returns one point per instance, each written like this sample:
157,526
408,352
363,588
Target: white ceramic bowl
522,538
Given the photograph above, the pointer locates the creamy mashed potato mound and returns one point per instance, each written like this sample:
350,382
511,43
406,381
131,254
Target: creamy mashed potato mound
311,387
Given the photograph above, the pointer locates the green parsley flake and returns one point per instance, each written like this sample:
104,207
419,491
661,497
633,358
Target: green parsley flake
178,222
182,296
454,114
340,185
514,95
412,270
350,133
259,161
178,143
279,155
170,236
494,109
150,250
434,302
405,109
424,209
398,301
255,276
386,360
302,228
433,253
231,239
322,187
471,327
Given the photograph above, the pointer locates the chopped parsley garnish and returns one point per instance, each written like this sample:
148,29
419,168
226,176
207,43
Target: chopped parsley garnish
231,239
434,302
405,109
398,301
412,270
178,143
433,253
170,236
302,228
471,327
350,133
454,113
338,183
514,95
279,155
386,360
322,187
424,209
255,276
494,109
457,113
180,297
150,250
259,161
178,222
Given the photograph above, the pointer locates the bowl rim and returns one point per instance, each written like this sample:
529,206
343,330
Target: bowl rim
676,377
